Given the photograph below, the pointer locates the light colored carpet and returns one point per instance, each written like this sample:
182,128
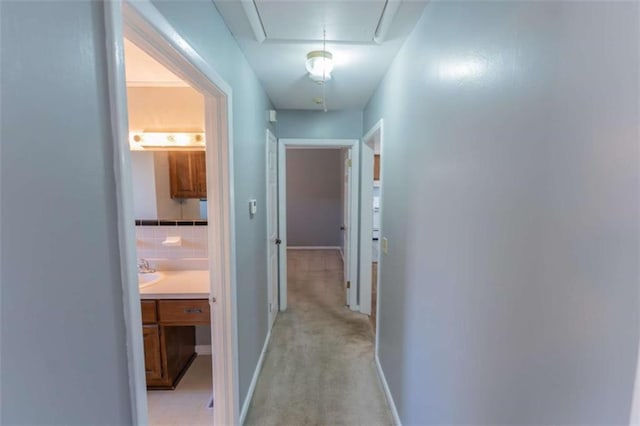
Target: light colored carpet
319,367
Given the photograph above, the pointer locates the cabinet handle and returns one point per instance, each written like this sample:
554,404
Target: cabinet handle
193,311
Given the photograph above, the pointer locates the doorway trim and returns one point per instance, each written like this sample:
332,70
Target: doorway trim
143,24
366,218
354,146
270,285
366,227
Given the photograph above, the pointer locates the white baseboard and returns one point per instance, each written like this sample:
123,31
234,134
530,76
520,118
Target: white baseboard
203,349
313,248
254,380
387,393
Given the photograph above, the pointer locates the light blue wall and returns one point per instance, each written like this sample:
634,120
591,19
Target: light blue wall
346,124
202,26
63,351
62,314
511,204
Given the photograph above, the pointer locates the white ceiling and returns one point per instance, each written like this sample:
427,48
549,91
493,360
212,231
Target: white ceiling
143,71
295,27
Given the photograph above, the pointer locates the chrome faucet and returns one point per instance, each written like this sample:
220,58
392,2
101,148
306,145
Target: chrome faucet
144,267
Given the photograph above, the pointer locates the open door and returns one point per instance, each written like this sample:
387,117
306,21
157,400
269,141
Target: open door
272,225
346,204
350,233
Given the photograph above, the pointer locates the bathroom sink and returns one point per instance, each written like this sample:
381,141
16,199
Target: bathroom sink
145,280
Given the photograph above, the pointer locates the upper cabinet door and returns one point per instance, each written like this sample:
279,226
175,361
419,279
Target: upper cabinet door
188,175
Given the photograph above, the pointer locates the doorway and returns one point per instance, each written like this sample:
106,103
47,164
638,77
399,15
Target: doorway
348,181
143,25
370,223
272,226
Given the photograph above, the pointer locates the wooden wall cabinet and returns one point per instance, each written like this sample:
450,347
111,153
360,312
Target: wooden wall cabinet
188,174
169,338
376,167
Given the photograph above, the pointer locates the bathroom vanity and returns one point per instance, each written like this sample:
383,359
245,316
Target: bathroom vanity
171,308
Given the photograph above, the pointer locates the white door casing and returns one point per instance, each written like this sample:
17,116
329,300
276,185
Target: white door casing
272,226
143,24
346,202
366,222
353,146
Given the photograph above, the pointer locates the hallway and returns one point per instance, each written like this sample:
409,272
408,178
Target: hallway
319,368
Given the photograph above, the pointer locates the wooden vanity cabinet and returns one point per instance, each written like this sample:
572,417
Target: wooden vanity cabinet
188,174
169,338
152,357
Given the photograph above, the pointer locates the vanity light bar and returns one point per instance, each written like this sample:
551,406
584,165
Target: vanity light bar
166,140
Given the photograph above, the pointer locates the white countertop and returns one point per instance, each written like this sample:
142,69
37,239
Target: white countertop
179,285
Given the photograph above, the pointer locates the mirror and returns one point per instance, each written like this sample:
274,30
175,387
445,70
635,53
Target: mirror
168,185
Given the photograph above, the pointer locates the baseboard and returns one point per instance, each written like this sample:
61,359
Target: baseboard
387,393
313,248
203,349
254,380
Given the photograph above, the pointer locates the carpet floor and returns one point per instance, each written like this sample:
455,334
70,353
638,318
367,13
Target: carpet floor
319,367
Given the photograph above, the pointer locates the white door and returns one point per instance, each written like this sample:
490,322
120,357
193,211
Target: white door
272,225
346,202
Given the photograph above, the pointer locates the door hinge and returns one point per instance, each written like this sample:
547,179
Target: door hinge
349,162
270,307
278,241
348,284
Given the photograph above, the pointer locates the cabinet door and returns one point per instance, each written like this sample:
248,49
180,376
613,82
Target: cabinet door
376,167
187,173
152,360
201,173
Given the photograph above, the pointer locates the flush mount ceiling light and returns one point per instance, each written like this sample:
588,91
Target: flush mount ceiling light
319,65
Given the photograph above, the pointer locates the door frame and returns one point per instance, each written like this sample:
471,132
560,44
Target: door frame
366,223
143,24
270,134
354,146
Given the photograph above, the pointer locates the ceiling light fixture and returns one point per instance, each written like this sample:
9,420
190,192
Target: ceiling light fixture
319,65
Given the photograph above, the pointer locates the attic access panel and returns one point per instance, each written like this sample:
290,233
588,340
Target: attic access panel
344,20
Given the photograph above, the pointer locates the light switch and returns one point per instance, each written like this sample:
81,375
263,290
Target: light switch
253,207
385,245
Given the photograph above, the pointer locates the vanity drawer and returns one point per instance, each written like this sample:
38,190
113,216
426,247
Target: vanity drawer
184,312
149,313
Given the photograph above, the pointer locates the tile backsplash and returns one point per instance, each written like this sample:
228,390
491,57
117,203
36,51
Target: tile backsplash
192,254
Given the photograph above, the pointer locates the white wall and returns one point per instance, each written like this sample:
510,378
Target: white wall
511,204
165,109
314,201
63,352
143,179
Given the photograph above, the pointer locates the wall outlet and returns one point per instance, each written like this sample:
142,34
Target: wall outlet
253,207
384,244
